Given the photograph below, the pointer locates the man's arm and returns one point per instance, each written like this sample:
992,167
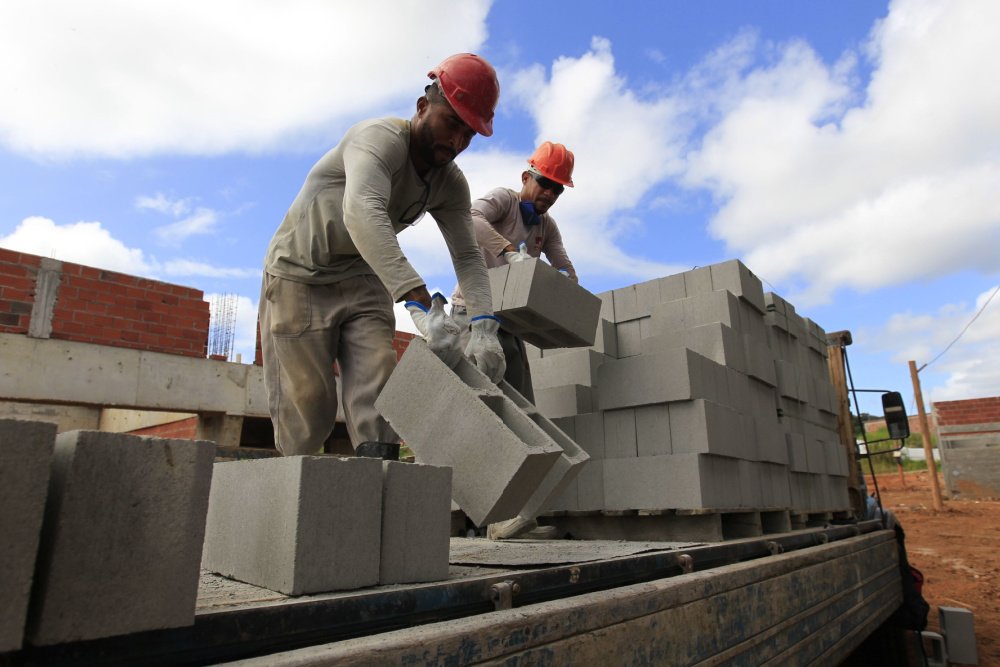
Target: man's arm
455,221
491,208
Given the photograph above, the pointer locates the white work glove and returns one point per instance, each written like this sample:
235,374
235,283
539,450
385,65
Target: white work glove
460,315
442,333
519,256
484,347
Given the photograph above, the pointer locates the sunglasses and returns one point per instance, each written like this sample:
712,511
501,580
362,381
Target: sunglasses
548,184
415,211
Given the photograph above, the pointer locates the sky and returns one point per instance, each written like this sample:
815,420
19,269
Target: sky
847,152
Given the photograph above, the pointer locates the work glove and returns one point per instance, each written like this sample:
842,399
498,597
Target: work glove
460,315
484,347
519,256
441,332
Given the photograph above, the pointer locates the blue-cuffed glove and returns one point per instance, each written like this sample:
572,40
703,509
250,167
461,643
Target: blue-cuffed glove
442,334
519,256
484,347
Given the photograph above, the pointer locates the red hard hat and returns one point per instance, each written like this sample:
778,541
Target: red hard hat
470,85
554,162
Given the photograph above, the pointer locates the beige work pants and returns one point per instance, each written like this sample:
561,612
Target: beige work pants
303,330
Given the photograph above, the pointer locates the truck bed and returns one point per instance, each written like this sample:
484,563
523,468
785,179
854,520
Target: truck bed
808,595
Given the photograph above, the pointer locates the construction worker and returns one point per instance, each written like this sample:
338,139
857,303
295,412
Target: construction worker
334,267
511,226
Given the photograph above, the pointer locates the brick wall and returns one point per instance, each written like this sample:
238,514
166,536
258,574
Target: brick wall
969,411
106,308
182,429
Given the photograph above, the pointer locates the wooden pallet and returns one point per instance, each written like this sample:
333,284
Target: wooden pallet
703,525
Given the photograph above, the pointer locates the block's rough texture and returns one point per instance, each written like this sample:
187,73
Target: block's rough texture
25,458
543,307
458,418
670,375
416,522
296,524
122,538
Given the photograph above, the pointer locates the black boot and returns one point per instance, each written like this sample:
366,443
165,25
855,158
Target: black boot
387,451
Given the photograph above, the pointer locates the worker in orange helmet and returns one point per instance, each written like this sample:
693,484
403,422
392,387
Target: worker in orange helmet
334,267
513,225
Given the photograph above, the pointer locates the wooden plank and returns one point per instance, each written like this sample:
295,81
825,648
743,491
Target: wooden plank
817,603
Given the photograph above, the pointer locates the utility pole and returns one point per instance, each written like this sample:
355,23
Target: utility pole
925,433
836,341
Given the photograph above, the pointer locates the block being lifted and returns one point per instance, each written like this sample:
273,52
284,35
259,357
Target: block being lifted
544,307
499,455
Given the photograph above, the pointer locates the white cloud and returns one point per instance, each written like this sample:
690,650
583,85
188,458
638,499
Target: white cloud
160,203
202,221
187,267
824,185
969,365
124,78
86,243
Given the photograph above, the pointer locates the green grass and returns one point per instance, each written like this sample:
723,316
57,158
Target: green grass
886,462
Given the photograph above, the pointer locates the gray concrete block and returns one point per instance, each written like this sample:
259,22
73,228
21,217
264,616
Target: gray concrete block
694,311
714,341
750,484
566,501
545,308
296,524
564,401
620,434
704,427
590,486
629,335
589,434
760,361
787,379
572,367
25,458
672,287
416,523
698,281
652,430
958,627
606,340
498,453
569,464
774,488
670,375
122,536
676,481
735,277
796,444
626,305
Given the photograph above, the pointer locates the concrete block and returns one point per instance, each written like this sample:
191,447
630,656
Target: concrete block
787,379
626,306
760,361
958,627
572,367
704,427
652,430
796,444
619,434
698,281
569,464
670,375
499,454
590,486
25,458
564,401
122,536
750,484
629,335
566,501
589,434
714,341
606,340
296,524
735,277
694,311
543,307
607,305
416,523
672,287
774,486
676,481
774,304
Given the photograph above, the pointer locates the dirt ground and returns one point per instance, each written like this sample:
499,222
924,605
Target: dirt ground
958,551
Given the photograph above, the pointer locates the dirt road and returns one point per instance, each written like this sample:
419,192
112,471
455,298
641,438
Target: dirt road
958,551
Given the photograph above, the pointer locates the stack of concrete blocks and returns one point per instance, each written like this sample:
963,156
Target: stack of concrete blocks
121,538
808,411
25,460
677,402
507,458
313,524
542,306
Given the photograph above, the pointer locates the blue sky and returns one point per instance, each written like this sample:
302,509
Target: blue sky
848,152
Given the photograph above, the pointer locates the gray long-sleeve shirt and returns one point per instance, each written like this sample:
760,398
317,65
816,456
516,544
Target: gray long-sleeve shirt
344,220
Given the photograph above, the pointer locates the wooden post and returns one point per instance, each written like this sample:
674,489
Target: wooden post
925,433
836,342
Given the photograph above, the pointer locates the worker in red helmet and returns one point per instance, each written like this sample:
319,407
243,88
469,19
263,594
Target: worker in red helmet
334,267
512,225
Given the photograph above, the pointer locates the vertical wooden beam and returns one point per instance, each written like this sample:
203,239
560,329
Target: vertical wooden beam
925,434
836,341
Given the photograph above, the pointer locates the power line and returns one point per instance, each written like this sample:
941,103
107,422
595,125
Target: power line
962,332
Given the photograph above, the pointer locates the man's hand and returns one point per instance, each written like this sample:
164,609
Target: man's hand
520,255
420,295
441,332
484,347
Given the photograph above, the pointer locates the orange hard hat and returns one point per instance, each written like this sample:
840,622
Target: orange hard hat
470,85
554,162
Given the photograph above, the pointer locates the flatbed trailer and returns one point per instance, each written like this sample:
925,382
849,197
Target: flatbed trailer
808,596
